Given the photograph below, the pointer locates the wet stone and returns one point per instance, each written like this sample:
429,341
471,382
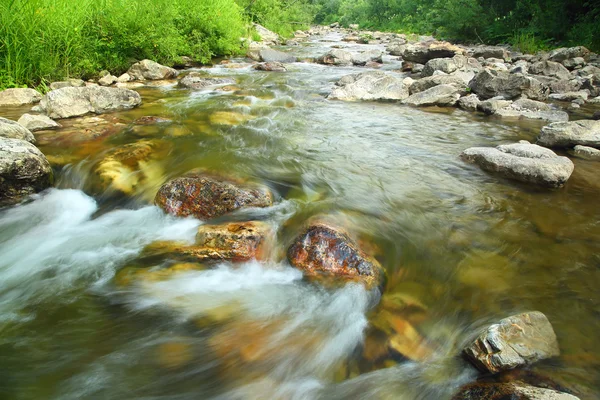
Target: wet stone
195,80
509,391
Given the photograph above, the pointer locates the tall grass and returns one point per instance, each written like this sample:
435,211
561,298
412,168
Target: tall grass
45,40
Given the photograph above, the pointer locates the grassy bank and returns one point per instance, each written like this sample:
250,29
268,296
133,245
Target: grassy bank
46,40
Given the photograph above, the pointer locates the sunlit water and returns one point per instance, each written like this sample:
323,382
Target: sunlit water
461,248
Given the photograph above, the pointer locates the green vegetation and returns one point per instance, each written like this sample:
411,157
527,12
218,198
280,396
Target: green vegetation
530,25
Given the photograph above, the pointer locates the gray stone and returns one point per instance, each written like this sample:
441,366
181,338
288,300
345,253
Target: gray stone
573,63
336,57
371,85
446,65
588,153
270,55
270,66
107,80
531,109
570,96
423,52
151,70
13,130
490,83
35,122
435,80
570,134
441,95
518,340
254,49
364,57
469,103
67,83
195,80
24,170
124,78
562,54
524,162
19,97
397,47
550,68
490,52
75,101
266,35
491,106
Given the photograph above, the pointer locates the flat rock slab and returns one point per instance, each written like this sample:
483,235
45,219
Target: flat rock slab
24,170
509,391
371,85
524,162
13,130
35,122
19,97
570,134
587,153
195,80
515,341
270,55
75,101
441,95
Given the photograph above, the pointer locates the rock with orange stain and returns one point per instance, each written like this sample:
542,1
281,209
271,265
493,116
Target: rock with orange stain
206,196
513,390
325,250
174,354
515,341
130,275
246,240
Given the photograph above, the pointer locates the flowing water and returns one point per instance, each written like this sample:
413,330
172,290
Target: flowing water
461,248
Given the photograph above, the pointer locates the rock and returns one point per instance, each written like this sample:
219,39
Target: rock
371,85
13,130
204,196
195,80
469,103
421,53
35,122
490,83
522,161
441,95
254,49
19,97
417,68
574,63
67,83
515,341
229,118
237,241
336,57
491,106
588,153
562,54
75,101
570,96
270,66
365,57
266,35
270,55
124,78
107,80
596,116
151,70
490,52
397,48
327,251
24,170
446,65
569,134
550,68
353,26
531,109
435,80
509,391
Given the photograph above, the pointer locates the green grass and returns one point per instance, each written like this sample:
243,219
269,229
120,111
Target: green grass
46,40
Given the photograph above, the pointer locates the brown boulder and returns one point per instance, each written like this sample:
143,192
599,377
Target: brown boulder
204,196
323,250
509,391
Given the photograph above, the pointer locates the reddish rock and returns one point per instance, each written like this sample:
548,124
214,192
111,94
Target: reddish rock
204,196
322,250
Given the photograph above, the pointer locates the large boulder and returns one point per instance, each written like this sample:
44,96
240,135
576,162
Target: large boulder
68,83
206,196
550,68
19,97
569,134
423,52
13,130
195,80
35,122
441,95
364,57
435,80
336,57
75,101
266,35
522,161
565,53
445,65
326,251
151,70
490,52
531,109
490,83
513,342
371,85
270,55
509,391
24,170
469,103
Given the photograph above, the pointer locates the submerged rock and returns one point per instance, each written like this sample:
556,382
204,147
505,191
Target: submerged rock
522,161
151,70
19,97
515,341
14,130
509,391
371,85
35,122
75,101
205,196
569,134
195,80
24,170
441,95
491,83
326,251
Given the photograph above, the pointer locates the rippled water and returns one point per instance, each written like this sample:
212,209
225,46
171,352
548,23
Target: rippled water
461,248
